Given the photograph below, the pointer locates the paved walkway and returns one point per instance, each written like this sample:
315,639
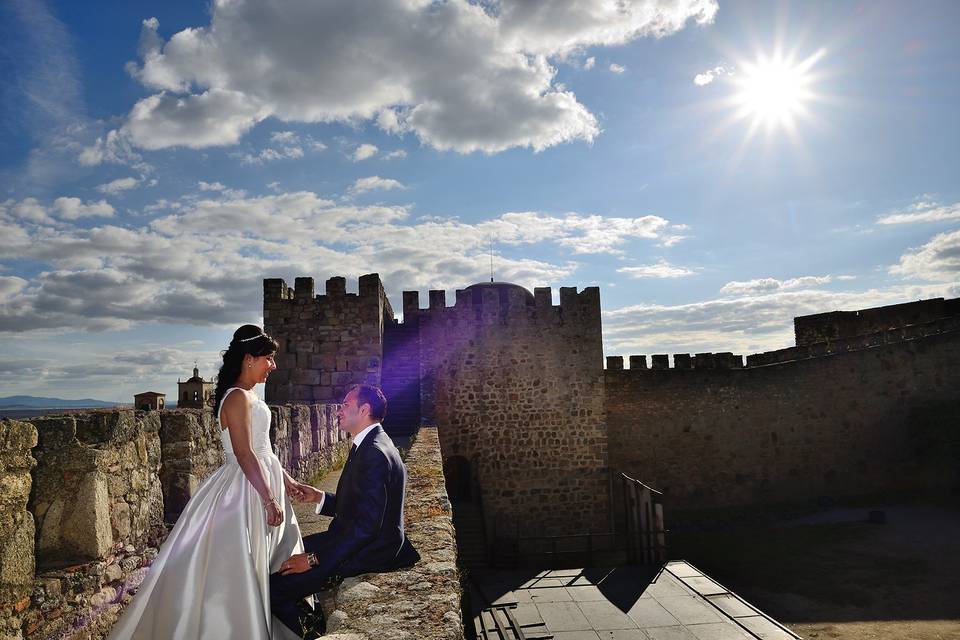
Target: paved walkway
625,603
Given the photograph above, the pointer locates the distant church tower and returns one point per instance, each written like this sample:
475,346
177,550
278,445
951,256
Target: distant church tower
195,392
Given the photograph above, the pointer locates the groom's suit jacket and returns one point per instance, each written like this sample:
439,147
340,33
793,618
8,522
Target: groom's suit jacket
366,534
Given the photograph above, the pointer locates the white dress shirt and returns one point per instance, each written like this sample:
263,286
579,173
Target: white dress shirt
357,439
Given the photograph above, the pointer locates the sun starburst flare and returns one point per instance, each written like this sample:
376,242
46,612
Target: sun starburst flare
774,91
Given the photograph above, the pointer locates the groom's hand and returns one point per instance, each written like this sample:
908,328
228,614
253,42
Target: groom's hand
306,493
296,492
294,564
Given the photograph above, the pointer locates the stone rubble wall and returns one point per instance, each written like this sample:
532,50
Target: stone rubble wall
17,439
842,325
424,601
98,504
326,342
104,487
515,385
878,418
190,451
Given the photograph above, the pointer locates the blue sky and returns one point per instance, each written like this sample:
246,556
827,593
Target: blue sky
715,167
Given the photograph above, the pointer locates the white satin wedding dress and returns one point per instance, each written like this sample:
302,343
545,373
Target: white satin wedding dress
211,577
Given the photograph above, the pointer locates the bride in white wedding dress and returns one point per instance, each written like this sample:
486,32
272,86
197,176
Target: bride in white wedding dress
211,577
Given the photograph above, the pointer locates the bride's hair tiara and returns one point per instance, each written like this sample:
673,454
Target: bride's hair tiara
259,335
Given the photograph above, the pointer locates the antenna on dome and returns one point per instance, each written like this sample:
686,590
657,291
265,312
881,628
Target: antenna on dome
491,258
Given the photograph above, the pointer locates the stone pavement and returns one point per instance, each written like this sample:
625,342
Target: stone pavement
624,603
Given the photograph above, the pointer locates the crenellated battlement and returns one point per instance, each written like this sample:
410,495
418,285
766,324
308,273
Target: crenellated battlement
327,341
712,361
495,302
681,362
276,289
844,325
856,343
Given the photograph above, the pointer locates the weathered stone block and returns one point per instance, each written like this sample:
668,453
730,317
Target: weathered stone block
17,550
305,376
55,432
101,427
342,377
178,489
179,426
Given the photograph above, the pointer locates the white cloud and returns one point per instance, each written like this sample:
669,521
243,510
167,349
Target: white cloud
11,285
270,154
710,75
213,118
922,211
113,147
617,68
203,260
364,151
660,269
375,182
118,185
589,63
210,186
281,137
770,285
565,26
74,208
286,145
399,154
937,260
750,323
458,76
28,209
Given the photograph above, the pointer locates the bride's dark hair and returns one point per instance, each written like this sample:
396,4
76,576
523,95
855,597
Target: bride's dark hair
247,339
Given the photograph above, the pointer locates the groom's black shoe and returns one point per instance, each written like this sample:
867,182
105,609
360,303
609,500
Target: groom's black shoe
313,621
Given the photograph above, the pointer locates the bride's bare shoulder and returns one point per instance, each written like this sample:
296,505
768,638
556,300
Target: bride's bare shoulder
236,398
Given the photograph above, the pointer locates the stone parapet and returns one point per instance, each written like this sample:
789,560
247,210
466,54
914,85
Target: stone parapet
100,486
17,439
98,504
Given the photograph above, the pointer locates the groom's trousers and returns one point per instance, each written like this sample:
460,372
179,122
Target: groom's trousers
287,592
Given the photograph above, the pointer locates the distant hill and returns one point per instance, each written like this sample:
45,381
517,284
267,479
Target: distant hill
34,402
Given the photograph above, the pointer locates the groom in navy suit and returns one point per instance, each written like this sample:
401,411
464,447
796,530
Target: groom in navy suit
366,534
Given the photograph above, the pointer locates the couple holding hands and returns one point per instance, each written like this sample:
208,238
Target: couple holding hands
235,564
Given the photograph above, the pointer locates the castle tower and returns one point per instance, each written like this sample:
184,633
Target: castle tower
515,387
326,342
513,383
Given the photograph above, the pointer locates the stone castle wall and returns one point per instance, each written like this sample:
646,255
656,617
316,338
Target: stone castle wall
326,342
873,413
840,325
515,387
530,419
104,489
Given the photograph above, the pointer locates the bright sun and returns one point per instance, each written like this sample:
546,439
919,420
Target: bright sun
774,92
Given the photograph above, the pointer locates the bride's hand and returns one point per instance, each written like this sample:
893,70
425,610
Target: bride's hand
274,513
295,489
